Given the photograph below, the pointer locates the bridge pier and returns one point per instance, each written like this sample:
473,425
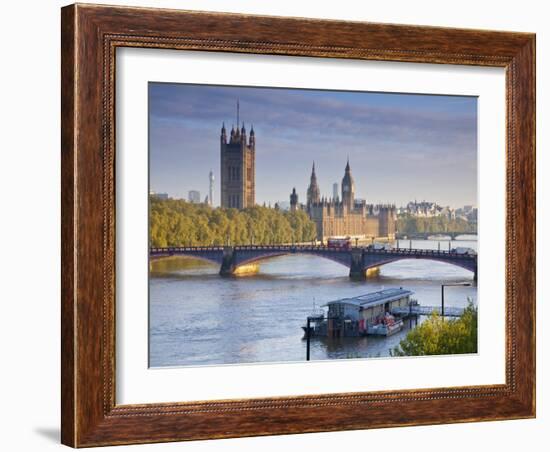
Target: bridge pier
228,261
356,270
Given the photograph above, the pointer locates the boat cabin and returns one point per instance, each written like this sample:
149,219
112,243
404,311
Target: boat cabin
365,314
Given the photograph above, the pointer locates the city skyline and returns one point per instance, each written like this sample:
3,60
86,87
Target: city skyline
286,203
400,146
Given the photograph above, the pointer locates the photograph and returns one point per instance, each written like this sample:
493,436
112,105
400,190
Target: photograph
290,225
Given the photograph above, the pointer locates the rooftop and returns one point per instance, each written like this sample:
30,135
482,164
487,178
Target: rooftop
374,298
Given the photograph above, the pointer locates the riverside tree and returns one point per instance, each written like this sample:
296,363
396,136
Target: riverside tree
408,224
175,222
437,336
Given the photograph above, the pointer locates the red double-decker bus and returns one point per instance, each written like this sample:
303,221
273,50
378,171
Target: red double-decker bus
339,242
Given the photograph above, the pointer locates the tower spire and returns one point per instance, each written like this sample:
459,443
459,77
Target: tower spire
238,114
313,192
348,188
223,134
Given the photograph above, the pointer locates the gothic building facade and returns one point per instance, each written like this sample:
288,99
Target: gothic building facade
237,168
346,216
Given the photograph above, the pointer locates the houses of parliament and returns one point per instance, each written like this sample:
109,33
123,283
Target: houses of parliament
238,168
345,216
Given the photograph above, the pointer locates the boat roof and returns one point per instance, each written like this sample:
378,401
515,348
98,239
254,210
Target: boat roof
374,298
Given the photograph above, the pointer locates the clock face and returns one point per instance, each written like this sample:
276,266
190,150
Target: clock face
345,188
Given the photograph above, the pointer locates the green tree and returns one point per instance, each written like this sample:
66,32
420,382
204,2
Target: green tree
437,336
179,223
408,224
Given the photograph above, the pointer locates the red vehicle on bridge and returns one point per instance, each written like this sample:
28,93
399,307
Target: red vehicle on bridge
343,243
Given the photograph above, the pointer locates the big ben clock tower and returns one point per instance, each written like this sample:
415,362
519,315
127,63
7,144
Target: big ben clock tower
348,189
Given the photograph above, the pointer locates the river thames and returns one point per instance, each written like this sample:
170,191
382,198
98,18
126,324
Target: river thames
198,318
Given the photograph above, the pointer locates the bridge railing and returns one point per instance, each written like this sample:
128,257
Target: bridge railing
368,249
172,249
419,251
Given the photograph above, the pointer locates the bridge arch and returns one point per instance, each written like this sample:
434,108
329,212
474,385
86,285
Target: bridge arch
341,258
209,257
466,264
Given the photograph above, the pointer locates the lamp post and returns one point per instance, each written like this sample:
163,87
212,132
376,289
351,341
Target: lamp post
308,337
465,284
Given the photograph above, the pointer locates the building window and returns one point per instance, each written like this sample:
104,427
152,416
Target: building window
234,173
234,201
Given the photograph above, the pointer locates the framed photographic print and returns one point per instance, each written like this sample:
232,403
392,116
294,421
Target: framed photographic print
281,225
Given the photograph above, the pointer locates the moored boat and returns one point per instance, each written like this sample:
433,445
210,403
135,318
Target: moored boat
360,315
385,326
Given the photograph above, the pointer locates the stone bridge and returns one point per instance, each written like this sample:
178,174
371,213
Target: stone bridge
358,259
427,235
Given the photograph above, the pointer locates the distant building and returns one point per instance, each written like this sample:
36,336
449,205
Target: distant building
211,188
402,211
347,216
194,196
293,200
467,213
161,196
470,213
335,190
448,213
238,167
423,209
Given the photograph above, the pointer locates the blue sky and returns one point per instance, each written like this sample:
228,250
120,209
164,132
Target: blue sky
401,147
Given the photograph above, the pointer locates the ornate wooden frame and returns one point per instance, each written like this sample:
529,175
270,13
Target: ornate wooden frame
90,35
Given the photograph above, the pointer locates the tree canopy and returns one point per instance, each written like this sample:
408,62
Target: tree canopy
175,222
408,224
437,336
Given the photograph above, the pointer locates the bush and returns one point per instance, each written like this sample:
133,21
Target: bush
437,336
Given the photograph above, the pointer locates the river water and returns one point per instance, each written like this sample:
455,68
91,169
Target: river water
198,318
